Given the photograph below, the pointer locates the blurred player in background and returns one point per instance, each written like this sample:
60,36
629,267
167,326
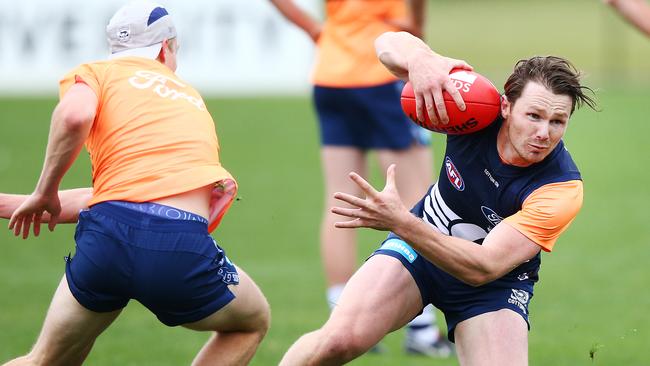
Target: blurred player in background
637,12
358,107
158,189
472,245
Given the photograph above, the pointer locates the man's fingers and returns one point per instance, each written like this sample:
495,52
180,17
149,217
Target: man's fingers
27,222
352,224
440,106
12,221
420,107
37,224
348,198
350,212
364,185
461,64
390,175
455,95
429,104
18,225
54,219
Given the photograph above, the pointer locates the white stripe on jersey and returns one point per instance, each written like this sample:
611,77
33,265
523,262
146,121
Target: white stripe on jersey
438,214
432,217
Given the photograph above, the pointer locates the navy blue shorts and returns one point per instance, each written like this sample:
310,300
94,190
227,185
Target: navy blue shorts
457,300
366,118
171,266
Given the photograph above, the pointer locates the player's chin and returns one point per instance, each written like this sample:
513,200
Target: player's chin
537,156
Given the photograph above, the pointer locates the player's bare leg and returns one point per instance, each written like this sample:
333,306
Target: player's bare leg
68,333
414,176
495,338
338,247
380,297
239,326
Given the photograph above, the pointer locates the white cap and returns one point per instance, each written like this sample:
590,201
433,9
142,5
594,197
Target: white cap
138,29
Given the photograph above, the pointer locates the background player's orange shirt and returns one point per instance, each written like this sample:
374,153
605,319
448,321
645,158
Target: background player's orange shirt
346,52
152,136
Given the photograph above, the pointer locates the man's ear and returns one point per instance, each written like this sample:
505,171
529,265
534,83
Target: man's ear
161,55
505,106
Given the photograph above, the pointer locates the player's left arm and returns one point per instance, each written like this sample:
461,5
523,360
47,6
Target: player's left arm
72,201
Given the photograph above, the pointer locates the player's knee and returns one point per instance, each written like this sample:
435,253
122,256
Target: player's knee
344,344
263,318
260,320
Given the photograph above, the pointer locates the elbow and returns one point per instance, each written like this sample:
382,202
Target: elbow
75,119
481,276
475,280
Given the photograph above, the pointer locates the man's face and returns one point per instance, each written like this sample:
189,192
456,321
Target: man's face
533,125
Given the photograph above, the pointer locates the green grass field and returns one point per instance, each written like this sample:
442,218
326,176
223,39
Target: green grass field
593,296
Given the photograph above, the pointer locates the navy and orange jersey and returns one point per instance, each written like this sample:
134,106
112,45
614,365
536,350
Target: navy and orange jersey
476,190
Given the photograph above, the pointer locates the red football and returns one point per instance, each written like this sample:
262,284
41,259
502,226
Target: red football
482,101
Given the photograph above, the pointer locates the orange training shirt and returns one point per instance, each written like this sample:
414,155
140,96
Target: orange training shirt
346,52
152,136
548,211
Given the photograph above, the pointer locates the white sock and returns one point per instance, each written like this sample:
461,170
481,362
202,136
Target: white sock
423,327
333,294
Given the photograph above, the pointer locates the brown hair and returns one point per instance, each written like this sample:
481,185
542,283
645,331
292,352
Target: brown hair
555,73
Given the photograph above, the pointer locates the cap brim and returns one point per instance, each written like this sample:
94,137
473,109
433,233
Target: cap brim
151,52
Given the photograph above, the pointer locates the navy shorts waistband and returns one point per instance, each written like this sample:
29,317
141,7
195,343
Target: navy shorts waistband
151,215
159,210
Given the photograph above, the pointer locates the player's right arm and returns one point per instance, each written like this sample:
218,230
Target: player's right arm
299,17
637,12
72,120
72,201
409,58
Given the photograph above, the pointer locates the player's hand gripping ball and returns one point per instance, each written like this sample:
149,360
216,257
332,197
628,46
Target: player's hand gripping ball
482,104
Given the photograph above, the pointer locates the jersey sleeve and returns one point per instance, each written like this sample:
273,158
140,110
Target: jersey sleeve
81,74
548,211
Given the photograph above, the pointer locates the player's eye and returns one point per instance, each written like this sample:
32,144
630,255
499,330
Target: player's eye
534,116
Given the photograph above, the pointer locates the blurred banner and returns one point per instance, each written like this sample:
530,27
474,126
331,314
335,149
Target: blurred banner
228,47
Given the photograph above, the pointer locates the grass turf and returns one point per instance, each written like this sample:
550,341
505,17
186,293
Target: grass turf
590,307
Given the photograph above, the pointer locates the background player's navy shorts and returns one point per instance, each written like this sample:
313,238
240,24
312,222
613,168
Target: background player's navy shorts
170,265
458,301
366,118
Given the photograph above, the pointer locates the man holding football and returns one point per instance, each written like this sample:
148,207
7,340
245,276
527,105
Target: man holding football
357,103
158,190
472,245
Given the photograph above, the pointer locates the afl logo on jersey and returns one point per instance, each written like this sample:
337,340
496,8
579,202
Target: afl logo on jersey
454,176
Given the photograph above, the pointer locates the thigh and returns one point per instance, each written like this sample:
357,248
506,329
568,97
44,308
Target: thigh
69,329
494,338
338,162
381,297
247,312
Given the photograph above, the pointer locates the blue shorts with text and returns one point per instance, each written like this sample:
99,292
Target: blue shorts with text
457,300
172,266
